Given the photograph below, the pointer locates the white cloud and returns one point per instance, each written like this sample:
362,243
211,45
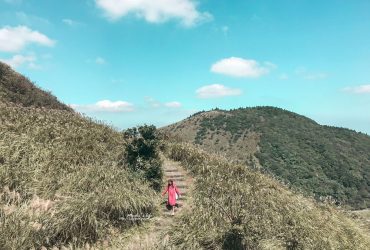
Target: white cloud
154,11
14,39
172,104
105,106
100,60
18,60
239,67
216,90
363,89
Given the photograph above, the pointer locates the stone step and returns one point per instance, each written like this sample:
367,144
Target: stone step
172,177
177,181
182,183
172,170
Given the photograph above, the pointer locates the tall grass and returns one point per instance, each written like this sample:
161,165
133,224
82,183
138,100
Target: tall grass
238,208
20,90
60,182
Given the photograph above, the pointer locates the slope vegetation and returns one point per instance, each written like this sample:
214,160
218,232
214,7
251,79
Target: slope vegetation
18,89
236,207
319,160
60,181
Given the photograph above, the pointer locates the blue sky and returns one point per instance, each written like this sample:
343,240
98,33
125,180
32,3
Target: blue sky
156,62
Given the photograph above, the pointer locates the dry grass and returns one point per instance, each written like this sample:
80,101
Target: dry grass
239,149
238,208
362,216
60,180
20,90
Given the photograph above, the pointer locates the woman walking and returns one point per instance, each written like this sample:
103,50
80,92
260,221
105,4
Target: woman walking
172,191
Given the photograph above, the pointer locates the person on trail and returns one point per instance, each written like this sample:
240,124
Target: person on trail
172,190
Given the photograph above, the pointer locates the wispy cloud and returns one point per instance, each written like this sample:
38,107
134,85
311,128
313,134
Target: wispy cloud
100,60
283,76
225,29
117,80
216,91
19,60
308,75
157,11
105,106
13,1
239,67
315,76
31,20
362,89
71,22
14,39
173,104
153,103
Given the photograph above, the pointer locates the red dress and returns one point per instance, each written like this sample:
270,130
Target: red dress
172,190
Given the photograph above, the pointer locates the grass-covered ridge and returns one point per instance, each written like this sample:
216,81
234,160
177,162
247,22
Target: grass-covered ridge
20,90
60,180
236,207
320,160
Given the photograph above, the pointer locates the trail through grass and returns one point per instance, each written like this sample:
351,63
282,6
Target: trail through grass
154,235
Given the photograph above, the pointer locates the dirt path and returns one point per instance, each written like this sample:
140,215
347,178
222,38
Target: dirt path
154,236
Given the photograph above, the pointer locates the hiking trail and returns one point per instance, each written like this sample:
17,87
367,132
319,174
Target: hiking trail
154,236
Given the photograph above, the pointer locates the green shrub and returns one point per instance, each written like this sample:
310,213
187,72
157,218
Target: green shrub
141,154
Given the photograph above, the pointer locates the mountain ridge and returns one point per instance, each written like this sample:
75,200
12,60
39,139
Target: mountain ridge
318,159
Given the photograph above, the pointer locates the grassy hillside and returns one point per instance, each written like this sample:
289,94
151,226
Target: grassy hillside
320,160
19,90
60,180
236,207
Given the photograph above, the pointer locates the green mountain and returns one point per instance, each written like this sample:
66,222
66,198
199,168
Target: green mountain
19,90
318,160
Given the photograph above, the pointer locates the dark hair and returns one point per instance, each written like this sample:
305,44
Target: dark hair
170,182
